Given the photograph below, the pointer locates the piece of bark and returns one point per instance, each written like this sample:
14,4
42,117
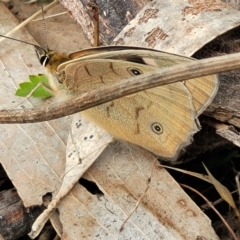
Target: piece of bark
114,16
15,219
226,105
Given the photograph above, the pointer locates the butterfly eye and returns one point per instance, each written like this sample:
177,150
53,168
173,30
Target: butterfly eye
157,128
44,60
134,71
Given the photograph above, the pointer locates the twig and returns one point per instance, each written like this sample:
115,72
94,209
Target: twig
94,10
29,20
213,208
140,199
125,87
51,16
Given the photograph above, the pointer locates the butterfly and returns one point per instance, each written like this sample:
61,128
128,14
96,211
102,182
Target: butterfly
161,120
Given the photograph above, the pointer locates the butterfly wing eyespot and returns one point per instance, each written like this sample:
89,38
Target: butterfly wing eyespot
157,128
135,71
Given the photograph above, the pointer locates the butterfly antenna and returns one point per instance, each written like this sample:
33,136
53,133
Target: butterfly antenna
18,40
42,53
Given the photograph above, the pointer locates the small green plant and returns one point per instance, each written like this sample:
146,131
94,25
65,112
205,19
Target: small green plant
38,87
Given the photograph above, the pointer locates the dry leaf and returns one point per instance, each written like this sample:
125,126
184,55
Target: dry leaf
223,191
121,173
85,144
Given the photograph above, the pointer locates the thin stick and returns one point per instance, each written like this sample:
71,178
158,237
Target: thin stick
94,10
213,208
50,16
125,87
29,19
140,199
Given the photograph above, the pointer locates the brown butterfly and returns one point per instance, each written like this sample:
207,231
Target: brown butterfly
161,120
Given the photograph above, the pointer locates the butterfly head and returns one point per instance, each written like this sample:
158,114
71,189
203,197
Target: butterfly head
51,59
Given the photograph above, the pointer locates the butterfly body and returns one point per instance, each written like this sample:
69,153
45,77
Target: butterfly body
162,119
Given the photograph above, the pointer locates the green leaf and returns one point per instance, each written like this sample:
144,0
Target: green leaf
42,91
